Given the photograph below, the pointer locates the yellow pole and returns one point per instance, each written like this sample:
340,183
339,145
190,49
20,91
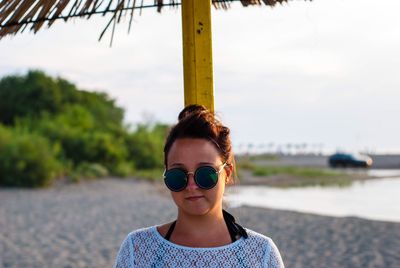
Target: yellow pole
197,53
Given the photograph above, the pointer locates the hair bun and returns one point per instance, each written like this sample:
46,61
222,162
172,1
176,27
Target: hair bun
192,110
225,131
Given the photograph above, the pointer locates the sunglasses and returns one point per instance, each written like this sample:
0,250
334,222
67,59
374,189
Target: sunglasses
206,177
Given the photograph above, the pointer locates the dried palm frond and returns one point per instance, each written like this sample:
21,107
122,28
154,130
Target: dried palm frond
16,15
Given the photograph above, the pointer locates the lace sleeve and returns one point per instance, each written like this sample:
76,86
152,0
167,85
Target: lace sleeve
125,254
274,259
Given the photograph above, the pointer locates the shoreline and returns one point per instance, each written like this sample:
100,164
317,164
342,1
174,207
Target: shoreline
285,181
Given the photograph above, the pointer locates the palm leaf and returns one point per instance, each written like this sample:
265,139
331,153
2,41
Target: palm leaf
16,15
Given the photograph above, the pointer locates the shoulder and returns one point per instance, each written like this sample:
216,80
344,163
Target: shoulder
253,235
272,256
145,230
135,239
138,234
131,236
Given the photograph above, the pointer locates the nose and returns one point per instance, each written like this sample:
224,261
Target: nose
191,183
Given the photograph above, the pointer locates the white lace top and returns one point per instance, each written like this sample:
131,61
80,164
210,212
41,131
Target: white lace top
147,248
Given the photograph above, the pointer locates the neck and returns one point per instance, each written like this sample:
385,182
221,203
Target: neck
198,225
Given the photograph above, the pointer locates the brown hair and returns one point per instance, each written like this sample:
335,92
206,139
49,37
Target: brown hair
195,121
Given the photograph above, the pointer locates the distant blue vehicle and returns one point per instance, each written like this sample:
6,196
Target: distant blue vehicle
349,160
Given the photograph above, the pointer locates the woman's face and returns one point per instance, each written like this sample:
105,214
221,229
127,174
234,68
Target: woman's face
189,154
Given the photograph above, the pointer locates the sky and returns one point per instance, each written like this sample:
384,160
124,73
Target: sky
324,73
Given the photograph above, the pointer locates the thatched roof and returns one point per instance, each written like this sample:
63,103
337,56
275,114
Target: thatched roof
17,15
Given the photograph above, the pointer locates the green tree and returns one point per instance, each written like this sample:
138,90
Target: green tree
35,93
28,95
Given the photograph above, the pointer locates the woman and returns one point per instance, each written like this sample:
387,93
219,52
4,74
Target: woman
199,164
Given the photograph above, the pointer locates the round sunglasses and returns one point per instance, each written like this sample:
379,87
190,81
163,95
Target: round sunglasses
206,177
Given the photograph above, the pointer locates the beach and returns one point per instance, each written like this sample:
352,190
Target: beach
83,225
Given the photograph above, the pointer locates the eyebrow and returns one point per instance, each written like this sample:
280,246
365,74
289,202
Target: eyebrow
201,163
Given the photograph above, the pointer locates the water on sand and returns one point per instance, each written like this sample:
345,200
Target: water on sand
376,199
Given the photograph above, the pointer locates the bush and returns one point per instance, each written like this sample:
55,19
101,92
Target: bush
146,146
81,141
123,169
104,148
26,159
89,171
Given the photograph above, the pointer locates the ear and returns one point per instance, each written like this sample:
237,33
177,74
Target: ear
229,174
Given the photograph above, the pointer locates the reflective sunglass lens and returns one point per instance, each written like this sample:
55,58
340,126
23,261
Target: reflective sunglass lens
175,179
206,177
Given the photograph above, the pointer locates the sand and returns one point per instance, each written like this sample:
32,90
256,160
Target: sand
82,225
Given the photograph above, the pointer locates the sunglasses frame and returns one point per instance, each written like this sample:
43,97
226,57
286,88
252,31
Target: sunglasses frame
194,177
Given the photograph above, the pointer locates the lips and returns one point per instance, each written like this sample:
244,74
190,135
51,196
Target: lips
194,198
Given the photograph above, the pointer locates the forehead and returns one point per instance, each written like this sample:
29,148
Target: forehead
189,151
